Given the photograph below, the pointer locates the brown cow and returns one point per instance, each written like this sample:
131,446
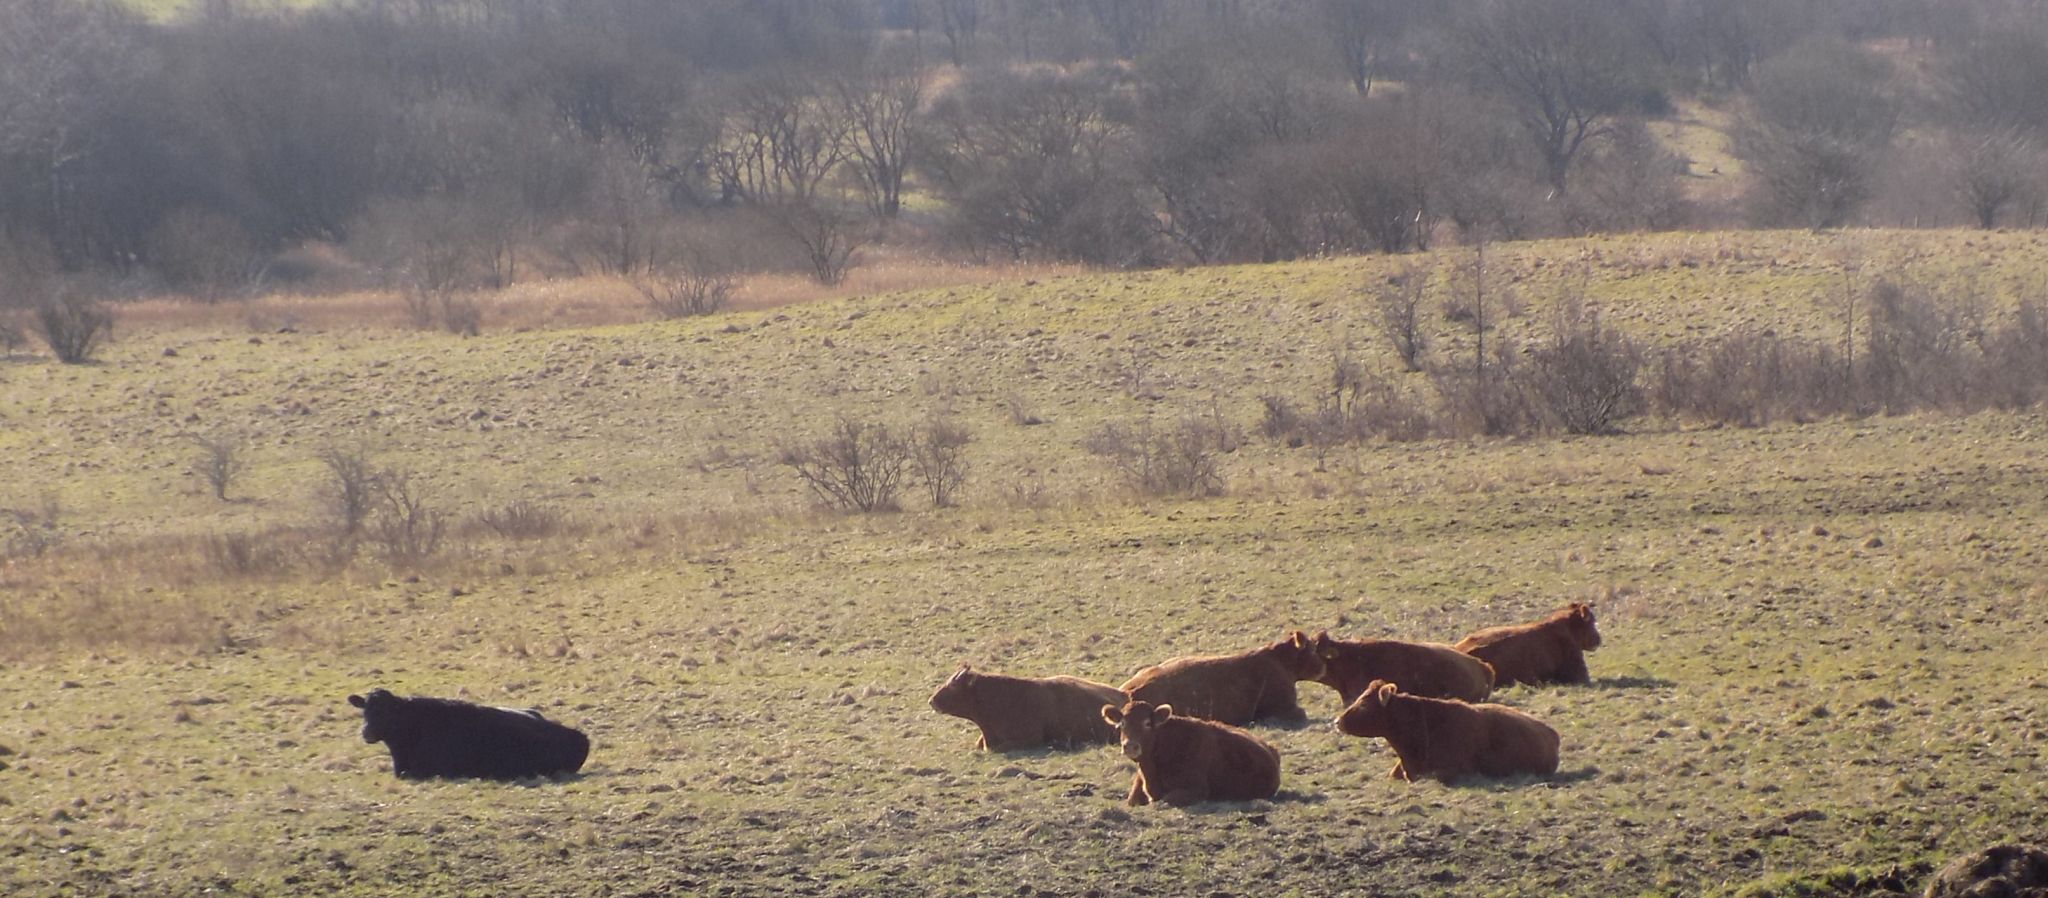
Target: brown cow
1021,712
1552,650
1429,669
1449,739
1184,761
1233,689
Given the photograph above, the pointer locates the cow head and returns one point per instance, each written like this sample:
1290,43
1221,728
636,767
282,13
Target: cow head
1326,647
380,713
956,695
1368,716
1300,655
1580,618
1137,724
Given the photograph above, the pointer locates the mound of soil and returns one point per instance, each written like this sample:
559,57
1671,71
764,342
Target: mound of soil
2001,871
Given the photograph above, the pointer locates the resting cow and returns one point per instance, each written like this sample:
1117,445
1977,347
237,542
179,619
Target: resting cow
1233,689
1552,650
1021,712
443,737
1448,739
1420,668
1184,761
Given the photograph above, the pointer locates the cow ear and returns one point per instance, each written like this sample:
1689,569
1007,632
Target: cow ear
1113,714
357,701
1162,714
1299,639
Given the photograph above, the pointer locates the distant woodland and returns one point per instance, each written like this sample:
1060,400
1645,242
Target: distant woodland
228,148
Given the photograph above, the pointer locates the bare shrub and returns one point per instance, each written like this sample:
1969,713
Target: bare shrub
350,490
73,326
1489,399
2015,366
1282,422
31,532
1583,379
1346,379
688,286
1917,349
219,462
521,519
1400,317
938,452
419,306
1748,379
829,238
1993,170
858,466
1181,460
407,528
461,313
1386,411
249,554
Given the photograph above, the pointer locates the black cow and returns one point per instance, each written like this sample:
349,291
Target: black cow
443,737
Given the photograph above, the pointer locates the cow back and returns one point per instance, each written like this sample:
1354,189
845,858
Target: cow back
458,739
1428,669
1226,688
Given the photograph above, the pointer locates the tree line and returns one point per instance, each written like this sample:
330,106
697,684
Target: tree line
444,145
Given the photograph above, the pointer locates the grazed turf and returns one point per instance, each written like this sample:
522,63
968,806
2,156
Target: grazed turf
1823,642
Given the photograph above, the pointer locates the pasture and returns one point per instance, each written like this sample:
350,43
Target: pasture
1822,652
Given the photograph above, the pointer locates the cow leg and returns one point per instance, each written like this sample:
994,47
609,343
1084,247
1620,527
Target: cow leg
1138,795
1574,670
1400,772
1186,794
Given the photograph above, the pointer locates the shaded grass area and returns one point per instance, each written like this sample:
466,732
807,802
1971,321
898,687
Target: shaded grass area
1832,662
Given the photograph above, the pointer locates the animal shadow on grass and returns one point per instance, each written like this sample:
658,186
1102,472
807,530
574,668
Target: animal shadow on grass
1556,780
1632,682
1253,811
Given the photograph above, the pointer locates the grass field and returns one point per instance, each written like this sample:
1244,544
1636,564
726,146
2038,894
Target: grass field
1823,642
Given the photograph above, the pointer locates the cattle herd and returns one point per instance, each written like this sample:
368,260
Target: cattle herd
1180,720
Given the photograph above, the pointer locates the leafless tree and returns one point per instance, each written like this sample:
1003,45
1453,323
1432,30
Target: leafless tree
1365,33
220,461
1994,170
1565,66
960,22
782,137
1992,81
881,104
1819,119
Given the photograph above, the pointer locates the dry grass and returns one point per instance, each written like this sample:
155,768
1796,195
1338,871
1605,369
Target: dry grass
562,304
1819,646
